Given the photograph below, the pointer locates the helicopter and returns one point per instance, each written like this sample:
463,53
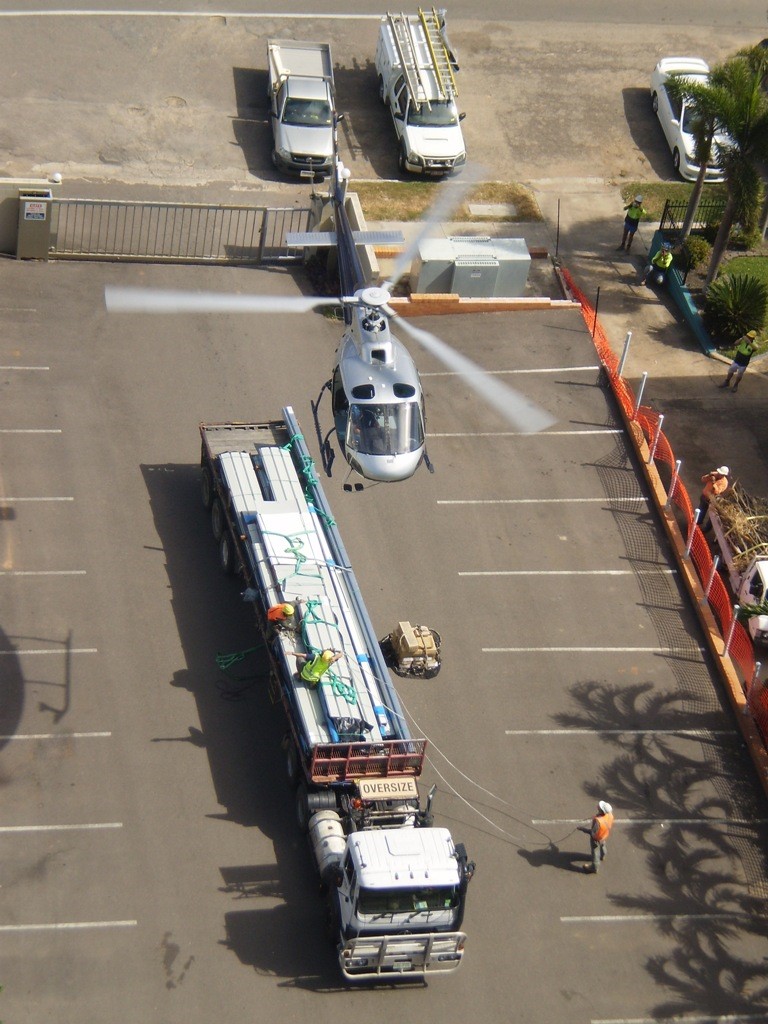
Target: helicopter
376,394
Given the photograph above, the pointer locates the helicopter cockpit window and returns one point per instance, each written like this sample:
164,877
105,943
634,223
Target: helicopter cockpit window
385,429
363,391
403,390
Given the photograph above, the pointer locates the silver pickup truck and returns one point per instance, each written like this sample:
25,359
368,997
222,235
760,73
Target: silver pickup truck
302,105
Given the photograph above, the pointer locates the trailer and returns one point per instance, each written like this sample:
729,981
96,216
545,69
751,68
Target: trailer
396,884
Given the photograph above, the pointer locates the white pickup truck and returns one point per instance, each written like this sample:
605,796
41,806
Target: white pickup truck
302,105
416,68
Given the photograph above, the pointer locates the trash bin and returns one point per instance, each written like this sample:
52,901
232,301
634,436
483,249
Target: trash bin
34,236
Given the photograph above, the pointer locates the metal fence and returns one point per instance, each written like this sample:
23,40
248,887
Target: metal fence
173,232
709,213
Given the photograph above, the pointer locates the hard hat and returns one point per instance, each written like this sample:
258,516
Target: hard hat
751,334
327,655
666,245
605,807
723,470
288,609
638,199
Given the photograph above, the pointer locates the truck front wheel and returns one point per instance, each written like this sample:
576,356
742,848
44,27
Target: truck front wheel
382,91
401,161
226,554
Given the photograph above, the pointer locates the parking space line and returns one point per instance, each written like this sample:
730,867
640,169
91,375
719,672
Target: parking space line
666,822
593,650
538,501
721,1018
661,570
42,572
61,828
24,430
644,918
66,925
535,434
24,367
4,500
56,736
621,732
502,373
52,650
245,15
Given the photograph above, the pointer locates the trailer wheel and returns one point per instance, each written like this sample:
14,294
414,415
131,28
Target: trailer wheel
226,554
292,763
382,91
217,519
206,487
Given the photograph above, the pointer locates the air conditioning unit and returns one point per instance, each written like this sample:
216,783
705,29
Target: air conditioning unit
472,267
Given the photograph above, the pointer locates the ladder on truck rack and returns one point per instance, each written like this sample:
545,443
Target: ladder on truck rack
437,57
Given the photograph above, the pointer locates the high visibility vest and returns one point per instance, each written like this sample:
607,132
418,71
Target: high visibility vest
634,212
314,670
277,613
601,827
662,259
746,346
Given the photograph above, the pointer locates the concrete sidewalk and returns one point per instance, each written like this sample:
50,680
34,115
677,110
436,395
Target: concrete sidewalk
706,426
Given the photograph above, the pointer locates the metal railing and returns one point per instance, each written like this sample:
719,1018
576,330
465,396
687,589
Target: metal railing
708,214
173,232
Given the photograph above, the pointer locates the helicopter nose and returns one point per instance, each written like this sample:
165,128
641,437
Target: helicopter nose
388,468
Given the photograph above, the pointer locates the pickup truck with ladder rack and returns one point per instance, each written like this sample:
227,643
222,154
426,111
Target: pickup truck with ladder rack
416,67
396,884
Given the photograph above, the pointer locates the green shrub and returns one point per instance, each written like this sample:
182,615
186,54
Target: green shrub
734,305
710,232
745,238
696,251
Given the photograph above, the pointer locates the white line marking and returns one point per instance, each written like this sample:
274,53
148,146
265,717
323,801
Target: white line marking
56,736
5,501
64,650
59,828
20,430
501,373
534,501
42,572
66,926
189,14
23,367
657,821
641,918
591,650
721,1018
572,572
527,433
620,732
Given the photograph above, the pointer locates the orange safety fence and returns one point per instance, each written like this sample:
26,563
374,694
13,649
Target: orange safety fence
758,705
741,649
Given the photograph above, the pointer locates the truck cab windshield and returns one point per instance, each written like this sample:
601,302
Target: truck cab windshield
405,901
385,429
439,114
306,112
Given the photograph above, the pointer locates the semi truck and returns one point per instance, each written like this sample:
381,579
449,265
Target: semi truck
302,105
395,882
416,67
745,559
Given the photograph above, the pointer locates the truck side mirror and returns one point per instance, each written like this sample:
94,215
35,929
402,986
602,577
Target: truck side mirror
462,116
339,117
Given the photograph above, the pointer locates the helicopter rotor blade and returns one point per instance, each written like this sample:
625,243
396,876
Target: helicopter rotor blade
513,406
153,300
450,196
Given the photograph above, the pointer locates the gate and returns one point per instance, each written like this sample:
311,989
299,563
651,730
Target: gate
149,232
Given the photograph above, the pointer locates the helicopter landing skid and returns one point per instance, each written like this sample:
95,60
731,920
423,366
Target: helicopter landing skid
427,463
327,454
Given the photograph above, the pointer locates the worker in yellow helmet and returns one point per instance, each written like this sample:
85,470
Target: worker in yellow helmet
311,670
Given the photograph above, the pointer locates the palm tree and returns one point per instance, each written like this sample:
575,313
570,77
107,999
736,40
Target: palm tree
743,116
707,101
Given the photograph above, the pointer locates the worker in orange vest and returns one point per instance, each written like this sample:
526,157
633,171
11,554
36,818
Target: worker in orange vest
598,832
714,484
280,612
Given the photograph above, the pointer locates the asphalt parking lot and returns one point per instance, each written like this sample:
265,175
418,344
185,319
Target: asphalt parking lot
152,869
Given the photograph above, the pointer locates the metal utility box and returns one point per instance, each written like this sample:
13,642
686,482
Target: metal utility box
34,236
472,267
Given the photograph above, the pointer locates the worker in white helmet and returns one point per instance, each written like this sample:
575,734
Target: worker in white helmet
598,831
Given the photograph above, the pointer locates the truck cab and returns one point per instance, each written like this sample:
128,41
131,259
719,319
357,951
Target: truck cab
400,902
430,135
